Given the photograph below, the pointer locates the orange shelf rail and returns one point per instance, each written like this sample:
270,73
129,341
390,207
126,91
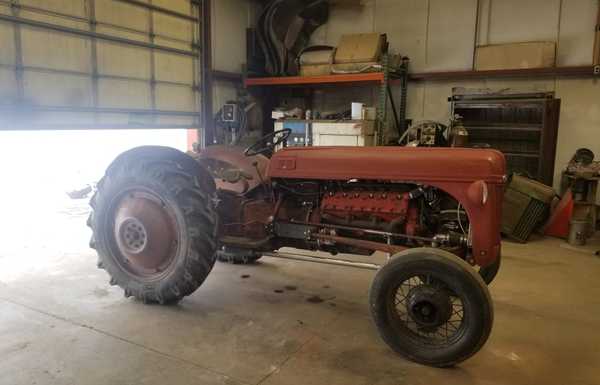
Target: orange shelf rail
377,77
372,77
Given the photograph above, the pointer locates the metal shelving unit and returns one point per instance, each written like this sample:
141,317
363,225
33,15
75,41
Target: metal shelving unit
380,79
523,126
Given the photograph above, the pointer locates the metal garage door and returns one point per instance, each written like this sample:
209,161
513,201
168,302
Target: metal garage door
76,64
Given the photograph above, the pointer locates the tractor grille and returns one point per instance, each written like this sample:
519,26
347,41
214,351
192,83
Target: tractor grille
526,204
532,216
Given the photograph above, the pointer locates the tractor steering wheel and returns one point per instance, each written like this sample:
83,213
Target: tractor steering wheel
268,143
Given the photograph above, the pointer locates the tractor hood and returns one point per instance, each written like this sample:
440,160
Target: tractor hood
391,163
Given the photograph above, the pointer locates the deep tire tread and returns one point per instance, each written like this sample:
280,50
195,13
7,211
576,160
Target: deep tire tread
180,179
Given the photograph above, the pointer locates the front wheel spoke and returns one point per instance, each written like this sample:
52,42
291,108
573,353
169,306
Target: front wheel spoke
453,327
400,297
457,306
440,333
401,289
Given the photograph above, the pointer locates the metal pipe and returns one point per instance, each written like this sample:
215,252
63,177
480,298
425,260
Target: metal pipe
403,95
29,108
597,44
88,74
324,261
576,71
11,126
367,231
74,31
91,12
158,9
394,110
476,34
206,73
361,243
228,76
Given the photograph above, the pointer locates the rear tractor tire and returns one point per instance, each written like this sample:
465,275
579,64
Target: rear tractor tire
154,224
431,307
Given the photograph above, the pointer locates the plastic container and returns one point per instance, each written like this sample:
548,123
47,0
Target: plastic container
357,109
578,231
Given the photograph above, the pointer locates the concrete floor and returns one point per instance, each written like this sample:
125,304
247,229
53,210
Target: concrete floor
61,323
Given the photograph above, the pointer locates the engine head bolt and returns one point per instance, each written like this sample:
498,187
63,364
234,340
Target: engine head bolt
384,196
371,196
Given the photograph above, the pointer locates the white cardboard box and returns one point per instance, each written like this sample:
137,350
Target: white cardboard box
354,133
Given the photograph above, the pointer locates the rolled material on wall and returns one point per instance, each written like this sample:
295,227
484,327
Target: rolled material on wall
284,30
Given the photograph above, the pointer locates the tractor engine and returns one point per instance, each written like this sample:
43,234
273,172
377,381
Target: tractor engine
300,212
369,208
392,213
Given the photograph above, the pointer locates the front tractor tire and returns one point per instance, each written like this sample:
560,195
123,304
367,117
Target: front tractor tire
431,307
154,224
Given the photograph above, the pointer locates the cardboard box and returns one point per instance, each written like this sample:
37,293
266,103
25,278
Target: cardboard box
515,56
316,63
315,70
359,48
354,133
350,68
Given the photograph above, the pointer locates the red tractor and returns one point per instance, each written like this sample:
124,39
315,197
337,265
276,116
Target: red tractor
161,218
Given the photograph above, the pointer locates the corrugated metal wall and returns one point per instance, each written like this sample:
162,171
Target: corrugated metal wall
99,64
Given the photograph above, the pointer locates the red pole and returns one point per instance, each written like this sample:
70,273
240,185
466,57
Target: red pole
192,138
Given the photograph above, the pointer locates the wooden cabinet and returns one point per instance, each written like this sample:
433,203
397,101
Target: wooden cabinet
523,126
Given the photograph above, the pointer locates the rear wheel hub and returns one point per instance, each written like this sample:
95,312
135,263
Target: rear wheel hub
133,236
146,233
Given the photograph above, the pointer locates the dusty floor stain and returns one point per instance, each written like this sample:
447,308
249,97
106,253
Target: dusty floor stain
315,299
